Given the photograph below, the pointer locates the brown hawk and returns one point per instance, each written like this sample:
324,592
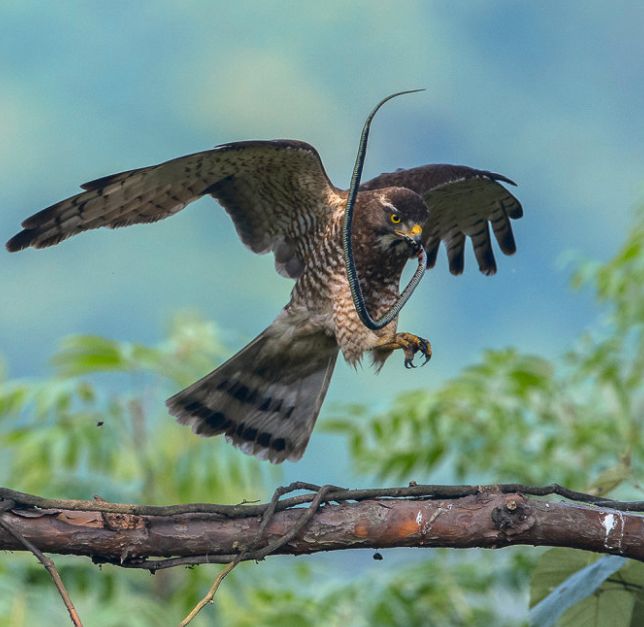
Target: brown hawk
267,397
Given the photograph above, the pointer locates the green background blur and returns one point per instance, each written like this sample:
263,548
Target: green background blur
548,93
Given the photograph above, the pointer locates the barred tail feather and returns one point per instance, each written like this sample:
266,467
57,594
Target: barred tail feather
266,398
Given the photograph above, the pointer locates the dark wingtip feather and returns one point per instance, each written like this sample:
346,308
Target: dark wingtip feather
41,217
514,209
517,211
432,253
482,246
499,177
21,240
102,181
456,253
457,262
485,259
32,237
506,242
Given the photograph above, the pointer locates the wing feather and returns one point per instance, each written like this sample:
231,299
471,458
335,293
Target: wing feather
455,242
275,192
462,201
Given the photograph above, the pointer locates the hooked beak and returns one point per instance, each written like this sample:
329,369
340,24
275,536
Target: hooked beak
412,237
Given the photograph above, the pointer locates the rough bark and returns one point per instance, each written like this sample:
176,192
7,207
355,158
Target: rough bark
490,519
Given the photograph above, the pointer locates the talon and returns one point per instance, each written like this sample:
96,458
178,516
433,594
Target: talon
410,344
415,345
426,350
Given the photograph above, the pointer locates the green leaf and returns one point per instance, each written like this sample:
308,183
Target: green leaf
611,478
81,354
575,586
637,617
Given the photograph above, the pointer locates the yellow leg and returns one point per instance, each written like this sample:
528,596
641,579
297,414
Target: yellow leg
410,344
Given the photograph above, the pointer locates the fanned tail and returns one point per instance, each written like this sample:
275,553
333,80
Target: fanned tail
266,398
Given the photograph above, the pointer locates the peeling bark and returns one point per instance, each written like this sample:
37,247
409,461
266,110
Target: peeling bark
487,519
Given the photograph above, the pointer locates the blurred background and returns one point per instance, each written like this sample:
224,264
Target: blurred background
549,94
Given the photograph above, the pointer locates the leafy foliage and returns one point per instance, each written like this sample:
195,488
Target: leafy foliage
81,433
512,416
576,420
579,588
521,417
108,441
438,591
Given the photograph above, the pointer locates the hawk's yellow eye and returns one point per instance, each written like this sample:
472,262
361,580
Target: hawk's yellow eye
394,218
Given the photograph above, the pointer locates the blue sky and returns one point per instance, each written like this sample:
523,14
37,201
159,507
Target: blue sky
548,93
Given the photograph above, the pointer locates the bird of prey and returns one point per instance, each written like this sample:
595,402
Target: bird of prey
266,398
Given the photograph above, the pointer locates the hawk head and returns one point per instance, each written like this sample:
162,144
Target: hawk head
397,217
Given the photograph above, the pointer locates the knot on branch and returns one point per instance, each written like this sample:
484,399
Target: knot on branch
513,517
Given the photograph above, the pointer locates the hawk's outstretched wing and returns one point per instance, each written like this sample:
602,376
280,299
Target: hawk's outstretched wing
461,201
275,191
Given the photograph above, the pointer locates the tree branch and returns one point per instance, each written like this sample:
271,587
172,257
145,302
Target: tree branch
261,553
469,516
243,509
49,565
210,595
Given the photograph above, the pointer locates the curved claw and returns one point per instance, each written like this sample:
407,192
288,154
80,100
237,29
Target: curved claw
425,350
417,345
411,345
